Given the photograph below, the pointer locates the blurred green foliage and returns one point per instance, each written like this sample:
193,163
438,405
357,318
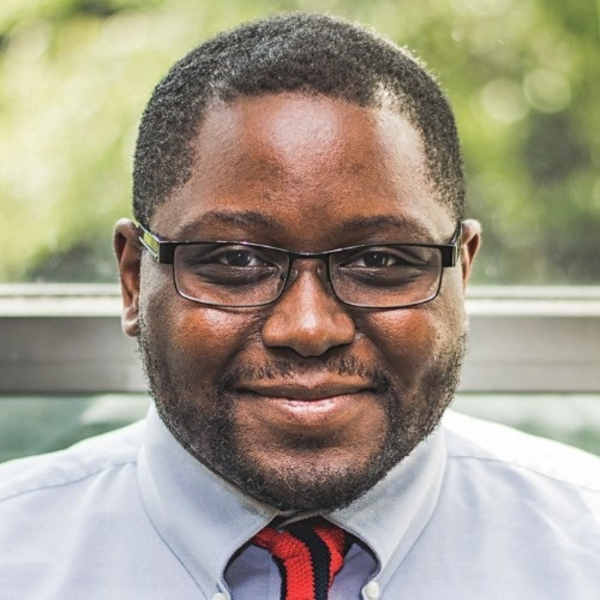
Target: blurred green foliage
523,76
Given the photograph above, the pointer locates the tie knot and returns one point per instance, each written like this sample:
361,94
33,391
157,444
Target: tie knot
309,554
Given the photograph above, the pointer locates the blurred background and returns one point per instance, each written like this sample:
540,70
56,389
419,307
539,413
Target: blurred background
522,75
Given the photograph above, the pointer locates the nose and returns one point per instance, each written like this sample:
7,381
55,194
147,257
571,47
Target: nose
308,318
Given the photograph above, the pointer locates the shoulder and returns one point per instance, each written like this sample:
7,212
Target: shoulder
79,463
515,452
522,502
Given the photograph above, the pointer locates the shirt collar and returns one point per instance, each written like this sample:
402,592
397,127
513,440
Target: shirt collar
204,520
390,517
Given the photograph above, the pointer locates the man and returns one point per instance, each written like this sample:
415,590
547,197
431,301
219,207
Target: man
295,280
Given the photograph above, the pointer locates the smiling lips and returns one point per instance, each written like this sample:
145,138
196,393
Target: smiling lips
309,391
309,404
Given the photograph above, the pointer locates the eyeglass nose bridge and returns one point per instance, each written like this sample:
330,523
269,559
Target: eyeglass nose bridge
323,270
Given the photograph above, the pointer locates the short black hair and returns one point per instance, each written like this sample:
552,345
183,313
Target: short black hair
308,53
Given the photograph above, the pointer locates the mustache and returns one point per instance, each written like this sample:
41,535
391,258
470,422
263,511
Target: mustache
286,368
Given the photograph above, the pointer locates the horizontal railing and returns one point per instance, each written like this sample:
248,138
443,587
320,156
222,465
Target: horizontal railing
63,339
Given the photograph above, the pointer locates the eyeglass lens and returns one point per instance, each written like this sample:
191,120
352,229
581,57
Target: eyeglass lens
249,275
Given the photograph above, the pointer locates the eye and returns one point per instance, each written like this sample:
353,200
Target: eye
383,257
228,265
237,257
388,267
231,256
374,258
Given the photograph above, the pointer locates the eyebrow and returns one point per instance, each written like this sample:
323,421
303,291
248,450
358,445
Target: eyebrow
376,222
243,218
259,219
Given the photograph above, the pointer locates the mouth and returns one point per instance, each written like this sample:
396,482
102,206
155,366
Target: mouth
301,405
308,391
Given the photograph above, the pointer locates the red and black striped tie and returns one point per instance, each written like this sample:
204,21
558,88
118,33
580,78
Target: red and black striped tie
309,555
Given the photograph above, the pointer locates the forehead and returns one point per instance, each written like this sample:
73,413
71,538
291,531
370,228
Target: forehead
305,172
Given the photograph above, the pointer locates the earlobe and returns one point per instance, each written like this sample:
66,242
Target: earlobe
471,240
128,253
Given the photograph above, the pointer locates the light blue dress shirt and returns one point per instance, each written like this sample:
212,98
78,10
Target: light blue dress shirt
477,512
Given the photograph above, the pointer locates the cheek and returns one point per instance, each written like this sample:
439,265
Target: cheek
207,341
412,342
191,340
405,339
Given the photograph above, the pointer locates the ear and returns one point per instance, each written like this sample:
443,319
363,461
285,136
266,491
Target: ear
470,242
128,251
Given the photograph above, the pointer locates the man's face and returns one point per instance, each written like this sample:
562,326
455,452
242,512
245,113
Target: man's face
305,403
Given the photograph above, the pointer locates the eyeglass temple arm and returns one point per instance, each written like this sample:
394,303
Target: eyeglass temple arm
451,252
162,252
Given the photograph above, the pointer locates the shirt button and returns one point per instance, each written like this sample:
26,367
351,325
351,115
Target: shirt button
220,596
372,590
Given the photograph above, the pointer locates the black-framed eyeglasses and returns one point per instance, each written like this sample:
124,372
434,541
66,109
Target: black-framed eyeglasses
243,274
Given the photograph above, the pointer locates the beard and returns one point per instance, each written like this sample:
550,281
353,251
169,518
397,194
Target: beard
209,432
